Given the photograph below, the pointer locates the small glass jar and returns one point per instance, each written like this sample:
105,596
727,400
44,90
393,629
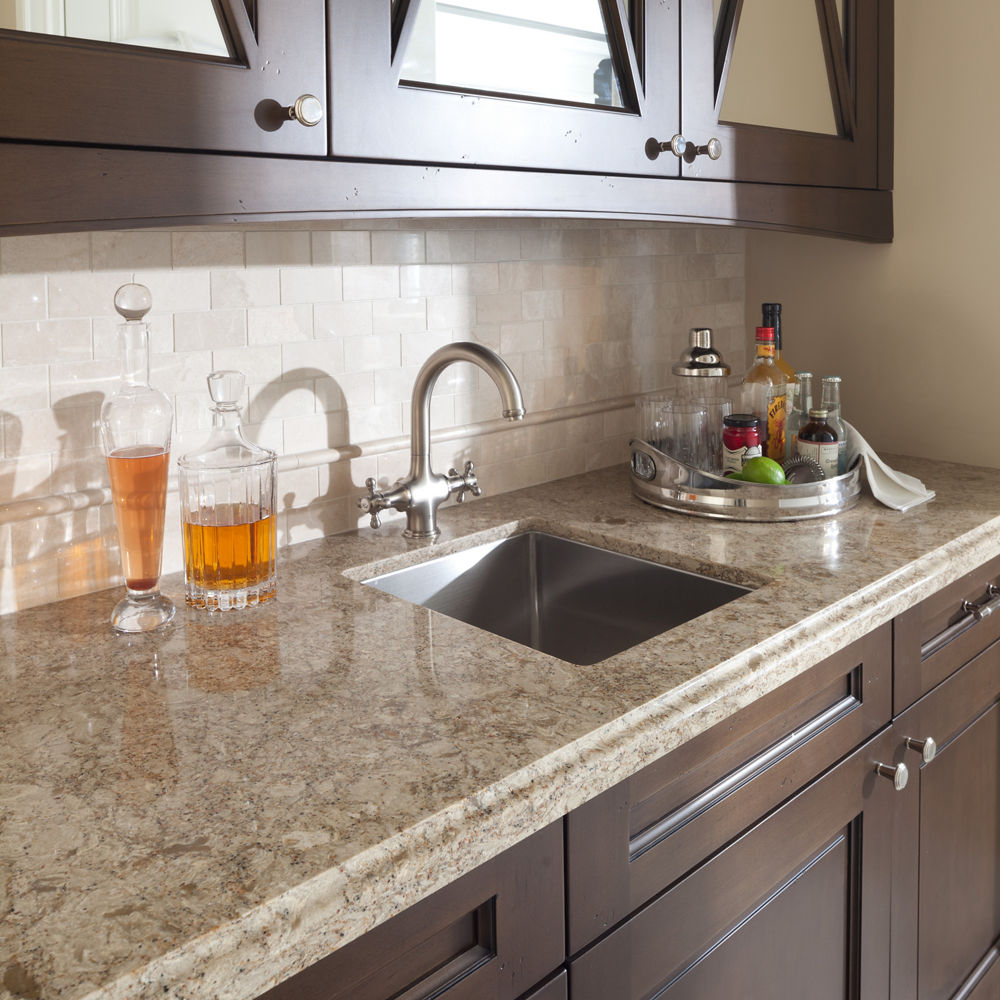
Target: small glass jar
740,441
228,518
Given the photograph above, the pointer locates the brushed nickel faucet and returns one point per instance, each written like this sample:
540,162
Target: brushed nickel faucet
423,491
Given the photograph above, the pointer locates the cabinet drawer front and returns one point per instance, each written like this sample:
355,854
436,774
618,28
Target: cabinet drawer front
780,912
490,935
935,637
630,843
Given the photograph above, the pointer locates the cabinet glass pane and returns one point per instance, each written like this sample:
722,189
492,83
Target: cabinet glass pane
181,25
555,50
778,73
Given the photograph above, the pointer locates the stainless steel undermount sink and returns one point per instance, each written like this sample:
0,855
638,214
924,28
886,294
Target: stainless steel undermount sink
571,600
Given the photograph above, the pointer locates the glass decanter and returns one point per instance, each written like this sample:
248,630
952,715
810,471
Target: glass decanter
135,427
227,491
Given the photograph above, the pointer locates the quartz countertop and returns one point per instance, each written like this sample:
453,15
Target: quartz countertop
206,810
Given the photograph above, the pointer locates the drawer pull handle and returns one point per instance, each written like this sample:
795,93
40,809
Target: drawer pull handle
655,834
926,748
987,607
898,774
972,613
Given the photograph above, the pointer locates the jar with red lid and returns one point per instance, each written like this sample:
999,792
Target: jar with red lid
740,441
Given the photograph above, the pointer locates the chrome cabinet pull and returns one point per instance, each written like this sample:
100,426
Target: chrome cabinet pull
927,748
683,149
972,614
307,110
898,774
985,608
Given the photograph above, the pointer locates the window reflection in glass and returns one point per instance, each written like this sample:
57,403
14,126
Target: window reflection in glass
778,72
555,50
180,25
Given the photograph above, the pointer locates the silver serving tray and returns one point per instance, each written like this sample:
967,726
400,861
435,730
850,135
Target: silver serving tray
664,482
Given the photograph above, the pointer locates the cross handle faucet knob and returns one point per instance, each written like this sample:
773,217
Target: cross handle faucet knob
466,481
372,503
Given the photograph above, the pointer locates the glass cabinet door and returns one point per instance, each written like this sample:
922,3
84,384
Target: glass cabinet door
543,84
788,87
188,74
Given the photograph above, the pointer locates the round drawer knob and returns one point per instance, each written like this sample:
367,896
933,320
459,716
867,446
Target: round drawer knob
898,774
307,110
926,748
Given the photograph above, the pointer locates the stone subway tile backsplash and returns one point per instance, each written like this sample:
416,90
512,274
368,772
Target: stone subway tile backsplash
330,322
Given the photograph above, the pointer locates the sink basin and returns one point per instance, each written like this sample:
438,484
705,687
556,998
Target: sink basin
572,600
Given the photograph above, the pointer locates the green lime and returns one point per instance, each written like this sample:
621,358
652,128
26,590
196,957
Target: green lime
763,470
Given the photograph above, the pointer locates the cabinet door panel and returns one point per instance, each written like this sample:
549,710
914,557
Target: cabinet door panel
781,912
946,866
959,857
383,115
835,145
72,90
628,844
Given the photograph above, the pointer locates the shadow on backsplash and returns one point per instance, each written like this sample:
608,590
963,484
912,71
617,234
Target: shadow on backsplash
59,529
331,323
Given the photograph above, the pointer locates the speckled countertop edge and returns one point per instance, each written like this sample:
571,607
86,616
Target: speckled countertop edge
505,813
287,932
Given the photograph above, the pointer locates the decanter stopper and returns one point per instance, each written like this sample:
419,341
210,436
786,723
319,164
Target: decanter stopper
133,301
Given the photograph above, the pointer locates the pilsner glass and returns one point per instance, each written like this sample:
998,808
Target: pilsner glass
135,426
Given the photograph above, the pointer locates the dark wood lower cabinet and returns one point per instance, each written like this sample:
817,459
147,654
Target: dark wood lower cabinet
766,859
493,934
797,906
946,937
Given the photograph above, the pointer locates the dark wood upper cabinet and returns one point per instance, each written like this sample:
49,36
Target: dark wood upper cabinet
790,88
216,83
514,107
543,85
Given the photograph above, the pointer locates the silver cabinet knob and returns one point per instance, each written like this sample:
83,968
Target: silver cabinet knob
898,774
677,145
683,149
926,748
712,149
307,110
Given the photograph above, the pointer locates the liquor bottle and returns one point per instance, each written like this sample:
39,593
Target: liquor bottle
228,492
798,412
135,428
831,403
818,440
771,312
764,395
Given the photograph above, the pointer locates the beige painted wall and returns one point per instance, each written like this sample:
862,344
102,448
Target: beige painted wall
912,326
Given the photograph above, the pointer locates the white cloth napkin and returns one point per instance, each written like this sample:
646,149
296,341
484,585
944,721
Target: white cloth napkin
894,489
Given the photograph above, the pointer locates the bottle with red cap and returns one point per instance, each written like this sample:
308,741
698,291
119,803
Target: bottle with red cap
764,395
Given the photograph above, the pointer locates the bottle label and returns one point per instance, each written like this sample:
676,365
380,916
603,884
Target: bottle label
776,427
824,452
733,459
765,350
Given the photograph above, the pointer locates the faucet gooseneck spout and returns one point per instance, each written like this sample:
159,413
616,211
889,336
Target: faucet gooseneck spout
423,491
